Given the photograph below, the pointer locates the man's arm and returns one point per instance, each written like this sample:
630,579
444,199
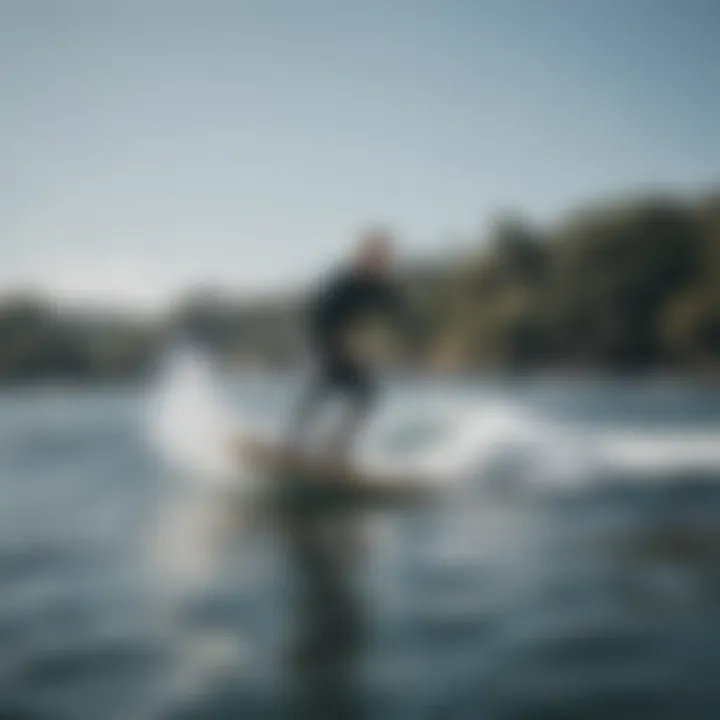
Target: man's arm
405,319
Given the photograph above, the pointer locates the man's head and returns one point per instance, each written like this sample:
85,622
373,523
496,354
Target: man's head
375,252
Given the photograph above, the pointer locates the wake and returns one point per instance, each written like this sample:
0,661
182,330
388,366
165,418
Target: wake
464,447
453,442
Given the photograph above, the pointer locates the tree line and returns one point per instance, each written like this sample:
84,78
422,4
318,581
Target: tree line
630,286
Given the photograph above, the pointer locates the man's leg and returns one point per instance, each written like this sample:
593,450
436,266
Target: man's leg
358,388
305,414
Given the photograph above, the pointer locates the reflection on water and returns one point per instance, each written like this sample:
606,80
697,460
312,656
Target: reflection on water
126,594
324,548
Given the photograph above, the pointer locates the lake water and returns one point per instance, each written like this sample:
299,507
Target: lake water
127,593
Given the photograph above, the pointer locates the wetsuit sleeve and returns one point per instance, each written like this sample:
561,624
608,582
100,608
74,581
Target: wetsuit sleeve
399,310
395,304
395,308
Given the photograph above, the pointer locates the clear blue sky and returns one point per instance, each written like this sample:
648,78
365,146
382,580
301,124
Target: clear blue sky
148,143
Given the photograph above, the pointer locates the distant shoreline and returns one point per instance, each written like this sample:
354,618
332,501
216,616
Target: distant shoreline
500,378
625,289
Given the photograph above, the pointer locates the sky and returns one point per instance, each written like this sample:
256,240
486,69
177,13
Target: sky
147,145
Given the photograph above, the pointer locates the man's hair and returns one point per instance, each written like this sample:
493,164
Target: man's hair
376,238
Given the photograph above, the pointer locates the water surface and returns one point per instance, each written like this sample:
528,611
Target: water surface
128,593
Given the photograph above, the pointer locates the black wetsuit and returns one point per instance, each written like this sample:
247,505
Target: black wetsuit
341,306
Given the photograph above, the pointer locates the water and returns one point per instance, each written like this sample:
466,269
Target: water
127,592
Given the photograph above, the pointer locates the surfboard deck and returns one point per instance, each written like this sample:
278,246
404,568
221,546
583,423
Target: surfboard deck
323,475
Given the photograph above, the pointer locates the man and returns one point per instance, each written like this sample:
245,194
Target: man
351,298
